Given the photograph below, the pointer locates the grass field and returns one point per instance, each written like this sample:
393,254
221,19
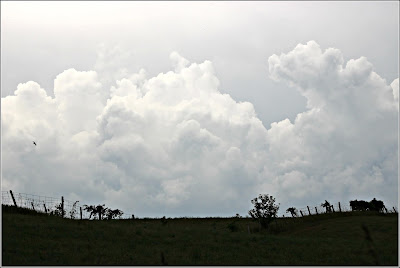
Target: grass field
29,238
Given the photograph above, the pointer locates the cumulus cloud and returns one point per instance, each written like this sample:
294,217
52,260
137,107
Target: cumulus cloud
112,62
79,99
346,140
395,87
173,144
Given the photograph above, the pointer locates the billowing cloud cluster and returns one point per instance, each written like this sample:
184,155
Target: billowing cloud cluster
346,142
173,144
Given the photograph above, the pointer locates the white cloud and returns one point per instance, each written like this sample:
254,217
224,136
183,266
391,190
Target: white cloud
173,144
351,124
395,87
112,62
178,61
182,127
79,98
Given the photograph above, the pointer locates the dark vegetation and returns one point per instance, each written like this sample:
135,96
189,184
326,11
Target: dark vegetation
347,238
265,210
103,212
293,212
373,205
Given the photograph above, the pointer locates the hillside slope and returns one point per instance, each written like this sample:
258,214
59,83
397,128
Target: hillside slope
337,239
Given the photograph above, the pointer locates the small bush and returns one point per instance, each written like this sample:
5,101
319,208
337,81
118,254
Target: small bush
265,210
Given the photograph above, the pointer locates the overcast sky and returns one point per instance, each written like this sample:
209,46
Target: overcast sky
195,108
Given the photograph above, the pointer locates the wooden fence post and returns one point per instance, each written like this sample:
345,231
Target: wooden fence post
81,211
340,209
316,211
62,206
45,209
15,203
301,212
309,213
332,208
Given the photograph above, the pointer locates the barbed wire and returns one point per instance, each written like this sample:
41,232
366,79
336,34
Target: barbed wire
45,204
335,207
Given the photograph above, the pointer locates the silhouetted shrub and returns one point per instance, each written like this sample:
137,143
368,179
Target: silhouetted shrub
293,212
100,210
58,211
327,206
113,213
265,209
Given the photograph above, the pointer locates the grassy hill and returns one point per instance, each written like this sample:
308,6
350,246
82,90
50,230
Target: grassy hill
30,238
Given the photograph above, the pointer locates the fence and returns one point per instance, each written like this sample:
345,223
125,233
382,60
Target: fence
49,205
337,207
45,204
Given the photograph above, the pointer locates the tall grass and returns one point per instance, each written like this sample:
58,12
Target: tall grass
328,239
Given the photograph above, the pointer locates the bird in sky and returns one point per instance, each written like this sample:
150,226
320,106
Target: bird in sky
34,143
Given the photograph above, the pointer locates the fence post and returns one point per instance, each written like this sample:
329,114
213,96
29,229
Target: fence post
45,209
332,208
301,212
15,203
62,206
316,211
309,213
340,209
33,207
81,211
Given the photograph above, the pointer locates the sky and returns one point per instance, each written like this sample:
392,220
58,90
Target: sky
194,108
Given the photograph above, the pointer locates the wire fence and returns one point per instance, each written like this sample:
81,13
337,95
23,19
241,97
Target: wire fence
335,207
75,210
49,205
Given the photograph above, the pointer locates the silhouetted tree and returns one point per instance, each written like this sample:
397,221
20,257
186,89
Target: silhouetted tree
327,206
58,210
100,210
112,214
292,211
265,209
91,209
